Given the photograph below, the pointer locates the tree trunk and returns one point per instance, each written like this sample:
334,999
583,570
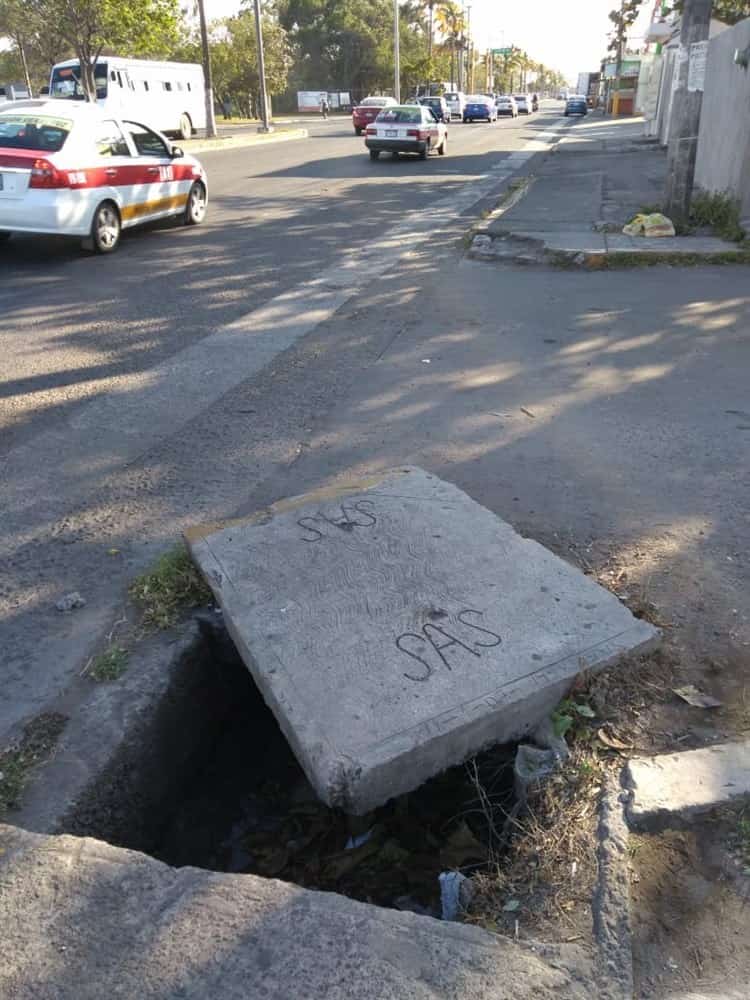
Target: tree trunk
207,77
24,63
88,80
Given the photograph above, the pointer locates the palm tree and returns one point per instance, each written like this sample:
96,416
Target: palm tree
450,22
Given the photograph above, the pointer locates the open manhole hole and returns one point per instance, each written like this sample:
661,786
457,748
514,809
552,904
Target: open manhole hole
219,788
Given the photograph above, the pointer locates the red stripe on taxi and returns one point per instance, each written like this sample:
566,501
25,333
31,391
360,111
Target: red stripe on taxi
112,175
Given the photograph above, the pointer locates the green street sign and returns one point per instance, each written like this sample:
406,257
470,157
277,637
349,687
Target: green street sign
502,52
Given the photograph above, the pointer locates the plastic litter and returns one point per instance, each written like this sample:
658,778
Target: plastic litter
654,224
354,842
455,894
531,768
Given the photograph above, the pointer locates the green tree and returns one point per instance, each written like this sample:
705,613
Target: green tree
341,44
91,27
451,24
34,46
234,58
14,25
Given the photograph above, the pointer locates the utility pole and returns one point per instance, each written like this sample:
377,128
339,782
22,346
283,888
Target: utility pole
207,76
265,127
686,109
396,55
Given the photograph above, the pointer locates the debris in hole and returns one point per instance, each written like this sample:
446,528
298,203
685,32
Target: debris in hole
696,698
354,842
263,817
455,894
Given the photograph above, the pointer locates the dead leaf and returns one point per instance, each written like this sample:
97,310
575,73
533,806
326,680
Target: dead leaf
607,737
461,847
696,698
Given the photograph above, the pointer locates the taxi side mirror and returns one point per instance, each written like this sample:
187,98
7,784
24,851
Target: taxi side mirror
176,152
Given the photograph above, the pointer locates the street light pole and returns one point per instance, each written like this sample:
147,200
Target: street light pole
208,82
265,127
396,55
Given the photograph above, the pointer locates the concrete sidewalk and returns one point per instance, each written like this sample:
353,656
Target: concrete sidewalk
84,920
601,174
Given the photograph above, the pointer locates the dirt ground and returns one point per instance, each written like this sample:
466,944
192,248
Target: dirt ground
690,893
690,886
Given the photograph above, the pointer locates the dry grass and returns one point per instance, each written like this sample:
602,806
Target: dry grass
17,761
171,587
109,665
543,867
550,867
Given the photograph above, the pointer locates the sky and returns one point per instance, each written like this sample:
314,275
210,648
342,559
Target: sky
570,37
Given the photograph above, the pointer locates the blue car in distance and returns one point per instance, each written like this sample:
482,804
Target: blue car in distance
480,108
576,105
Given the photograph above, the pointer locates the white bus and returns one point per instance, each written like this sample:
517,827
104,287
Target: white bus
169,96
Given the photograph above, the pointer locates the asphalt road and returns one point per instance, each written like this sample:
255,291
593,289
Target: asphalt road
122,419
74,325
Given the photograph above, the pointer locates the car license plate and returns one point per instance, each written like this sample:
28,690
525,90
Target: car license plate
391,133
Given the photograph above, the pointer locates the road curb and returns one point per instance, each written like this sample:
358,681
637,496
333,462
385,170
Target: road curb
240,141
610,906
509,247
516,190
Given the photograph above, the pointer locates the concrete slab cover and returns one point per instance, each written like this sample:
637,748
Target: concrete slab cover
85,921
395,627
678,784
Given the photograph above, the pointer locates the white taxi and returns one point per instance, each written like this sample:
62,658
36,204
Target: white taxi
407,129
71,169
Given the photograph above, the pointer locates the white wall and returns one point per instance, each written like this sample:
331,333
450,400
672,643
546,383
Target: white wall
723,159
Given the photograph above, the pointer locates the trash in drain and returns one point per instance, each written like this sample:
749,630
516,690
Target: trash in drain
245,805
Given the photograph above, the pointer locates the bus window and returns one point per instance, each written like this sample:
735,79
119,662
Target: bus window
167,86
66,81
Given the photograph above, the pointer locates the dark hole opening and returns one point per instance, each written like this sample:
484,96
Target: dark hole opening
218,787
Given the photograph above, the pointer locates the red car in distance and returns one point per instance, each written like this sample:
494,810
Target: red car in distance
368,110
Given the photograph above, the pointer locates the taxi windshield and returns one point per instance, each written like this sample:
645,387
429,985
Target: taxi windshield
41,133
66,82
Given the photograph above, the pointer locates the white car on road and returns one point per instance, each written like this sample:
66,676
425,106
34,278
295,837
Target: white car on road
407,129
523,102
456,100
71,169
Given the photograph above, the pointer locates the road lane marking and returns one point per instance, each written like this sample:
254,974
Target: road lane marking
62,465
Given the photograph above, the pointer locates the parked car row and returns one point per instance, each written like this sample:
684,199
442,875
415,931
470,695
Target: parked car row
452,104
420,124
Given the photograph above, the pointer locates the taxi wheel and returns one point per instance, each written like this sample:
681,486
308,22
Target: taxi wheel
106,228
425,152
374,154
186,127
443,147
195,209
